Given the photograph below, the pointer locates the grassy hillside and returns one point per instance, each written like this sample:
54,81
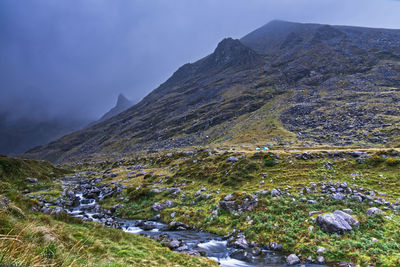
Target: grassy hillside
29,238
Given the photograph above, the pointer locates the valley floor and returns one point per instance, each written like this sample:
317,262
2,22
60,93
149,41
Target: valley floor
276,200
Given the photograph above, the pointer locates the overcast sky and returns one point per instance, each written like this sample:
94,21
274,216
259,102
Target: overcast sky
73,57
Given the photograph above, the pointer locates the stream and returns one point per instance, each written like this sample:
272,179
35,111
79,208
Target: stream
194,242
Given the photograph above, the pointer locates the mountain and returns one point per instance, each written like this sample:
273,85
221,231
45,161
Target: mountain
286,84
122,104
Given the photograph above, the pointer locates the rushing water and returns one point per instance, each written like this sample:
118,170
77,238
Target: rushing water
211,245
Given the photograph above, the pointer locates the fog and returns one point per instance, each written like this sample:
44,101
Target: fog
73,57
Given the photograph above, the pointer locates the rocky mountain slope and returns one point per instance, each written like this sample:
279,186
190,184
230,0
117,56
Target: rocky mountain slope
122,104
285,84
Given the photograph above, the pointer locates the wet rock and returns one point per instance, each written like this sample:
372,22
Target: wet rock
182,248
337,222
156,217
374,212
275,246
147,226
174,244
193,253
292,259
239,242
241,255
320,259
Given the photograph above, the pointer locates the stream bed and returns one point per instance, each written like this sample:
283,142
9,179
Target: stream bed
188,241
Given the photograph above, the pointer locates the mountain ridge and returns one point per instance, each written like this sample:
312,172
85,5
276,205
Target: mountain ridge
284,79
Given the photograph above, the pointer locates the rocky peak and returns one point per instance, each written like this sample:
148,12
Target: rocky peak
123,101
122,104
231,53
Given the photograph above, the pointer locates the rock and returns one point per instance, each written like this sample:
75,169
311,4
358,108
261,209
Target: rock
32,180
241,255
194,253
321,250
338,196
232,159
311,213
374,212
337,222
156,217
178,226
158,206
292,259
320,259
275,246
239,202
182,248
357,197
174,244
147,226
262,192
239,242
349,211
275,192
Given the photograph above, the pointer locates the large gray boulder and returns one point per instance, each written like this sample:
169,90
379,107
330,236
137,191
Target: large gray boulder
337,222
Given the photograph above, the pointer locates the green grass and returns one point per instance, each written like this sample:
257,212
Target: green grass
286,219
33,239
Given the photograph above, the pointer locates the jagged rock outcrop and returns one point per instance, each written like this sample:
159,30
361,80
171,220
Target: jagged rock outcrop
122,104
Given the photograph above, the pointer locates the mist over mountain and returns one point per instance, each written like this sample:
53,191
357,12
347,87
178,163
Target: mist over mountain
27,122
284,84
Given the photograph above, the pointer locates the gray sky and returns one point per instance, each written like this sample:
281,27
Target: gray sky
73,57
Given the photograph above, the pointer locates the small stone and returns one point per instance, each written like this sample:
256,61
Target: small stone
32,180
232,159
320,259
349,211
292,259
374,212
321,250
338,196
